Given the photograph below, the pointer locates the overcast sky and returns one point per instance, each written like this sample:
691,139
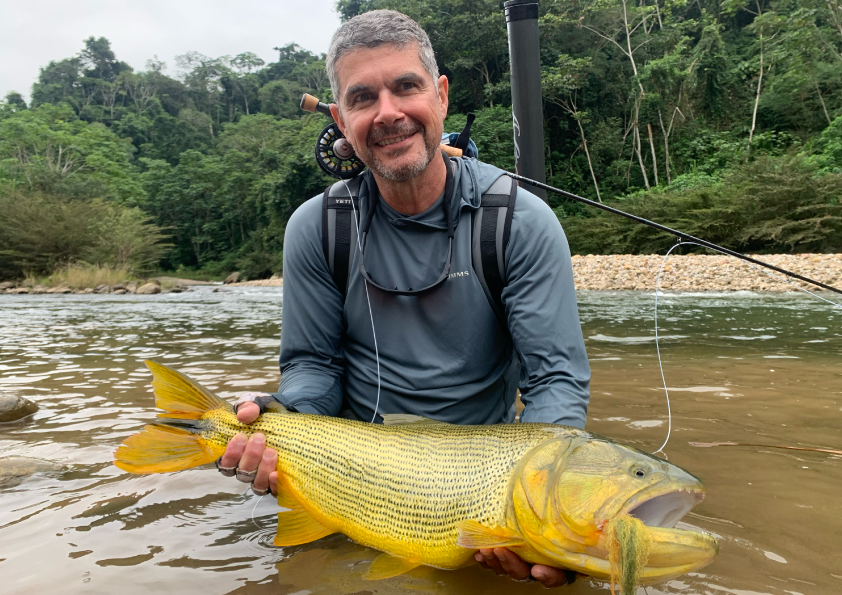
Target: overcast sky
33,32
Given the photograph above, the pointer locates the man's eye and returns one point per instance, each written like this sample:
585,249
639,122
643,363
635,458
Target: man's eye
407,86
362,97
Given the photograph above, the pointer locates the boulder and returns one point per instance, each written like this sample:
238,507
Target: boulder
102,289
178,289
232,278
14,470
20,290
120,291
148,289
6,285
88,290
132,287
118,286
13,407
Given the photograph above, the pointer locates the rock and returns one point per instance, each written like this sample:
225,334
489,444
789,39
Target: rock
6,285
178,289
102,289
13,407
132,287
148,289
120,291
15,469
232,278
219,290
19,290
88,290
118,286
63,290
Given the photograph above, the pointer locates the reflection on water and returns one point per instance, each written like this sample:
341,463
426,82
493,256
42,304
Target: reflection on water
741,367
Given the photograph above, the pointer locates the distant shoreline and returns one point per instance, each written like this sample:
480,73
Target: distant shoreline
692,272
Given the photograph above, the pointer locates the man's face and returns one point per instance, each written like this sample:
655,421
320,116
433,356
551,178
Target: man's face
391,111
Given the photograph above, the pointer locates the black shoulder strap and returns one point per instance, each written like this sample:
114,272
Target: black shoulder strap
339,234
492,224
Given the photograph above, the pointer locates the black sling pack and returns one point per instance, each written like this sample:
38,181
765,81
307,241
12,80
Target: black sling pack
491,226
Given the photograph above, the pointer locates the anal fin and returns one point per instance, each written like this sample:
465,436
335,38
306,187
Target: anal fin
475,536
387,566
298,526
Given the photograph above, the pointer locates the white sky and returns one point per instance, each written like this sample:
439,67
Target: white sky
33,32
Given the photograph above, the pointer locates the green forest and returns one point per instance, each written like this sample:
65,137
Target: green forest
722,118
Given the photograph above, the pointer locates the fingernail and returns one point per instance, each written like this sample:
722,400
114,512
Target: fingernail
240,439
259,439
539,573
478,557
268,455
500,555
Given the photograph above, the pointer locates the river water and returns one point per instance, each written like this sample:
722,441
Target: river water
746,368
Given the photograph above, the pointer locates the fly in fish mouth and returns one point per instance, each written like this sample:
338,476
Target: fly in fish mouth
665,509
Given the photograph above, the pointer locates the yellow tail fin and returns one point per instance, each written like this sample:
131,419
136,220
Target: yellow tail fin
160,449
179,394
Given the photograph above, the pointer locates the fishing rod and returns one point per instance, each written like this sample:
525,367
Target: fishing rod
680,235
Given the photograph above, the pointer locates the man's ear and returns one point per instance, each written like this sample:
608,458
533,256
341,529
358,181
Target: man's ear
442,85
337,116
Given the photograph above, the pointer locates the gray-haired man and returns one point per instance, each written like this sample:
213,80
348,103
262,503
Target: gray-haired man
443,353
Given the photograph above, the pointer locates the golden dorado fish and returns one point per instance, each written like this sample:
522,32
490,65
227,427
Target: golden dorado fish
431,493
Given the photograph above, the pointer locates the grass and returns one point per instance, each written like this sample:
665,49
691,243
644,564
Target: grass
81,276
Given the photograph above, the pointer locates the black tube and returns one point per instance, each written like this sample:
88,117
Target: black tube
684,237
527,105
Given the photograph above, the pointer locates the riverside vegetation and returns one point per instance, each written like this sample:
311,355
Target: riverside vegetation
720,118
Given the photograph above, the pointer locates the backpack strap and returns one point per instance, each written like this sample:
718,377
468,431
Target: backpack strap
339,234
492,224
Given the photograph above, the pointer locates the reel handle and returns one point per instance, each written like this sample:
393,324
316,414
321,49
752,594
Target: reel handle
312,104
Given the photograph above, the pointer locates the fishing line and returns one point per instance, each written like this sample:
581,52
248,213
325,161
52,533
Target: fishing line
368,299
255,508
657,344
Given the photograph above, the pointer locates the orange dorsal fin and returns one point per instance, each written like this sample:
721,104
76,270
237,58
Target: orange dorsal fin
178,393
160,449
475,536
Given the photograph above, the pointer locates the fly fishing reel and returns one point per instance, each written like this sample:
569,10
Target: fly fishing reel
334,153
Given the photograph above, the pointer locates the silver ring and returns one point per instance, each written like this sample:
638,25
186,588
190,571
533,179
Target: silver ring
226,471
246,476
257,492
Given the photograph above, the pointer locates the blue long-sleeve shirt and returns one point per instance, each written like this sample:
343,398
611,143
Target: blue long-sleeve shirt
443,354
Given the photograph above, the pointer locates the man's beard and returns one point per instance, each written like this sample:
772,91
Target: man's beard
406,171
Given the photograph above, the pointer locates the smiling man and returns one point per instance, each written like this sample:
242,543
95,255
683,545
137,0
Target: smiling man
380,346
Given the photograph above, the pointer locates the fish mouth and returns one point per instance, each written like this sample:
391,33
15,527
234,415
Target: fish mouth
664,508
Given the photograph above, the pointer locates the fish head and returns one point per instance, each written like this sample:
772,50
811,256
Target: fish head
566,491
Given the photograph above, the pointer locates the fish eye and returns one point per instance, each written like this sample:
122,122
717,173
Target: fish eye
638,472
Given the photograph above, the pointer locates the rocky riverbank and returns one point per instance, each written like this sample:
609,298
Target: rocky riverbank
149,287
702,272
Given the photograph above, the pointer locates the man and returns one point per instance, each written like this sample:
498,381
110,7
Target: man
439,353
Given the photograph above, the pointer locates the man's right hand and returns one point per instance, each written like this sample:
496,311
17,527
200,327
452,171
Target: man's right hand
248,454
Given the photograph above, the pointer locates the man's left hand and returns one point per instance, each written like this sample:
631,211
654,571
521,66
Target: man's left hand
504,561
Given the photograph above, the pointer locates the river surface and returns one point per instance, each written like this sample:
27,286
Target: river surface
741,367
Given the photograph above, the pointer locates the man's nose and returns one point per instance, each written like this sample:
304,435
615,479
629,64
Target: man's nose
390,109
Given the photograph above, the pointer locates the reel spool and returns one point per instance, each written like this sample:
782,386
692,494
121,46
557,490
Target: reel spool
335,155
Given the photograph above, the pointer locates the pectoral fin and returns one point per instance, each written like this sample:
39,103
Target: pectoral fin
298,526
474,536
387,566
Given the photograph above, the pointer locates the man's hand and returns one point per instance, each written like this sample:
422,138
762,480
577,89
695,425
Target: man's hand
248,454
504,561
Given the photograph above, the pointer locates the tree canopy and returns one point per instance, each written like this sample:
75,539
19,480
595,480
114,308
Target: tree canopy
650,102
